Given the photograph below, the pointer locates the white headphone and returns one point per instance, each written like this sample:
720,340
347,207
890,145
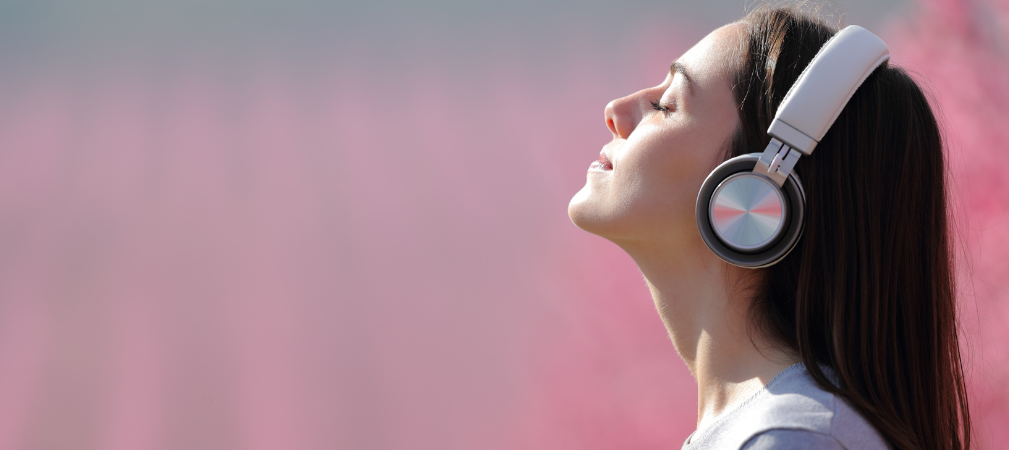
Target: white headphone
750,208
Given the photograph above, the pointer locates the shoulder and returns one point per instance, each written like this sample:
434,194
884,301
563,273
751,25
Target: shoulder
791,440
792,411
797,408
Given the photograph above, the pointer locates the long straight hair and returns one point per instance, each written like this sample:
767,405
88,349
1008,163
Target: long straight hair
869,290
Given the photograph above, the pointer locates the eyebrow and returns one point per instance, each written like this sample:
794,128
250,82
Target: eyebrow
677,67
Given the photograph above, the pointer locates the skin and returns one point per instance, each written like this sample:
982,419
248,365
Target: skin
645,204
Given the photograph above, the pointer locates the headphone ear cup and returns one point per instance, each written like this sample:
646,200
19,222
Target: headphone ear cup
794,208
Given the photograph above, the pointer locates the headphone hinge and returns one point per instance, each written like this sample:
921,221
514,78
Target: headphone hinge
777,161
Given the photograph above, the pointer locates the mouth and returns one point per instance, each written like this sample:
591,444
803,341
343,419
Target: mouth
603,163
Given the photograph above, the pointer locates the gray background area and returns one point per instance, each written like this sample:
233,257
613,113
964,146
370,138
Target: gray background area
92,28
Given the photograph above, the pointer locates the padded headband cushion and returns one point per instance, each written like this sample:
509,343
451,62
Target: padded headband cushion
825,86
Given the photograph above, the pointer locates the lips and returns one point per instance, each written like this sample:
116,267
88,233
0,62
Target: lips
605,162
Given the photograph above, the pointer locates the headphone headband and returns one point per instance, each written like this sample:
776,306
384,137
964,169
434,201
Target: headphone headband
825,86
818,97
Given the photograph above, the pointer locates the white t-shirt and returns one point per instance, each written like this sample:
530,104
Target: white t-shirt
791,412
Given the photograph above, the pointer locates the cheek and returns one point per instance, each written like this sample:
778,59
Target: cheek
663,196
659,187
671,165
652,190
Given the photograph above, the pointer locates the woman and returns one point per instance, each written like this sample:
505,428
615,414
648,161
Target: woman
850,341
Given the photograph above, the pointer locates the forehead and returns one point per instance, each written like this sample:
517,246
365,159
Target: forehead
710,60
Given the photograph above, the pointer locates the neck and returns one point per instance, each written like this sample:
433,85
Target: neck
704,304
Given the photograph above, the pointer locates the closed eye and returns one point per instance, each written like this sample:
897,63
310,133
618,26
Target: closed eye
659,107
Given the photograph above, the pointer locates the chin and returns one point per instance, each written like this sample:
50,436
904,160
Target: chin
586,212
621,224
581,211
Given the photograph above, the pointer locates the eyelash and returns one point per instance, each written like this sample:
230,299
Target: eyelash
665,109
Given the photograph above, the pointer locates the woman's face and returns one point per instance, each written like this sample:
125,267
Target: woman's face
665,141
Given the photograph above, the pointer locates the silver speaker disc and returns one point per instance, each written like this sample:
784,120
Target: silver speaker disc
747,211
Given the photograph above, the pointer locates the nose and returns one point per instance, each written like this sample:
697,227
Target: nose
621,116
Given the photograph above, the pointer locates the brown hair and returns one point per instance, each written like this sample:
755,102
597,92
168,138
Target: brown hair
869,290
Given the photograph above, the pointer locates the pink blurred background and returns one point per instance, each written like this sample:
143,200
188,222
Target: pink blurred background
308,225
